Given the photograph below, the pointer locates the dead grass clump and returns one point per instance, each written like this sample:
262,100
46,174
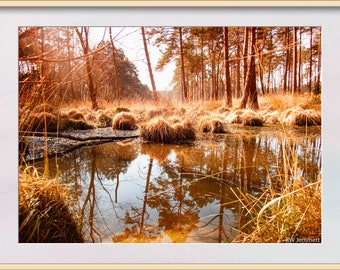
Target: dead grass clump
75,115
36,122
299,117
235,117
211,125
251,118
44,214
184,131
124,121
44,107
120,109
270,117
104,121
153,114
157,130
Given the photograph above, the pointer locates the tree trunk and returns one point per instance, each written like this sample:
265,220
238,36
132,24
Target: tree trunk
318,83
154,90
294,74
311,60
183,81
228,91
250,92
115,64
245,53
285,76
85,45
238,66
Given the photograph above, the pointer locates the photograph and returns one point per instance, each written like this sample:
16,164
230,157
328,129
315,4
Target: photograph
170,134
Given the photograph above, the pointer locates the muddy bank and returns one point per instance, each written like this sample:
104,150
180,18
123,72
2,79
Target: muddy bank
59,143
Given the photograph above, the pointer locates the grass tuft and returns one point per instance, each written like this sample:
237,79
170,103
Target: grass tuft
44,215
124,121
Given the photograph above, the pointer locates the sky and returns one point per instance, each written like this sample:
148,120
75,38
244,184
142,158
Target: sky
130,40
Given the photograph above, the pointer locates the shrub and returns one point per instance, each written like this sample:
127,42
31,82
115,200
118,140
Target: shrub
124,121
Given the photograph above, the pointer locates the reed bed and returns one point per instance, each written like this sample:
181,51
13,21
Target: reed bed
289,211
44,214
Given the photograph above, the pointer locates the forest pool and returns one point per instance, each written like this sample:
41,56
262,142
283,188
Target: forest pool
130,191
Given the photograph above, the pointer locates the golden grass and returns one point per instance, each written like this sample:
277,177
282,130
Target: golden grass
44,214
211,125
298,116
157,130
251,118
160,130
124,121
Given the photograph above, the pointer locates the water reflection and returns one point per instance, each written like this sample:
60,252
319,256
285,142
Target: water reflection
134,192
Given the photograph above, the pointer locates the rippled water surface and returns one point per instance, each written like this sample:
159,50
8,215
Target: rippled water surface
131,191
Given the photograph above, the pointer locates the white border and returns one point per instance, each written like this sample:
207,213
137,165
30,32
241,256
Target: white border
11,252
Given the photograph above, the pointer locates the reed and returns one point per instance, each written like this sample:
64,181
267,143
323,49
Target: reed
288,211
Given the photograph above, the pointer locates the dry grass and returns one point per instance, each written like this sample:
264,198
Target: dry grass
160,130
251,118
157,130
124,121
44,214
287,211
298,116
212,125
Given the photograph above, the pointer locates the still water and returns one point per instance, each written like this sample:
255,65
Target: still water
131,191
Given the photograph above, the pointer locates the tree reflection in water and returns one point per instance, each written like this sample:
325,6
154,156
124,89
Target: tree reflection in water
134,192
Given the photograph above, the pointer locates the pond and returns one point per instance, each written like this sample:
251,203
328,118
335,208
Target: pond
130,191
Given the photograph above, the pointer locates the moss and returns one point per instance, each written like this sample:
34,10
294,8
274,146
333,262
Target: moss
104,121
